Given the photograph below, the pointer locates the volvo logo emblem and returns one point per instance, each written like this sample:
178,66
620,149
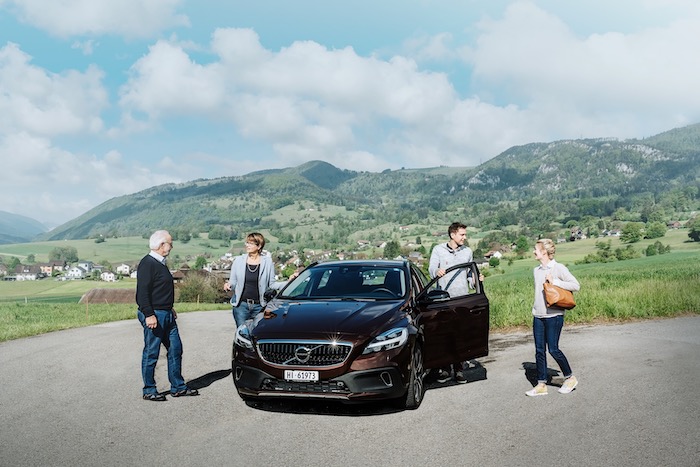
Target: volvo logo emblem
302,354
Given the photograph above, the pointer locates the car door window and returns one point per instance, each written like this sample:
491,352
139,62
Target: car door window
454,314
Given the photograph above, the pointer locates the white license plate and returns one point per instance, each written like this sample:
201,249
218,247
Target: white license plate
300,375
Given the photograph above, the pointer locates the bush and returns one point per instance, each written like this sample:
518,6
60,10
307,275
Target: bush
196,288
694,229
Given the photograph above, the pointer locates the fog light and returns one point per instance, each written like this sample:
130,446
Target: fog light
239,373
386,379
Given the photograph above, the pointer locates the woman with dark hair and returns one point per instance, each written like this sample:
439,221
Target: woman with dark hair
252,273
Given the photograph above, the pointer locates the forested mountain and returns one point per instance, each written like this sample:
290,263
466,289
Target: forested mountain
18,229
533,185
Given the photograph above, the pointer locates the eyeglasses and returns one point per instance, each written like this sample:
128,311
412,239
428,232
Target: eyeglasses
252,243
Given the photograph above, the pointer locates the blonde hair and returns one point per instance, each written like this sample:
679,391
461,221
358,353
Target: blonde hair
548,246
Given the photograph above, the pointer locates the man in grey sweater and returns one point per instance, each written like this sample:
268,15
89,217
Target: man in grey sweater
456,282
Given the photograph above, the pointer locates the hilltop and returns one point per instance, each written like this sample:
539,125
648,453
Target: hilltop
533,185
18,229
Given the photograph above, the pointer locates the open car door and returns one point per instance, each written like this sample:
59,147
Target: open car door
453,312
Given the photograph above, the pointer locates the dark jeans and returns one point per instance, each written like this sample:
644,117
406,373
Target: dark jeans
165,333
547,332
245,311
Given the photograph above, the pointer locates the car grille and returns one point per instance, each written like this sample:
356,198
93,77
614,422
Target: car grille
320,387
304,353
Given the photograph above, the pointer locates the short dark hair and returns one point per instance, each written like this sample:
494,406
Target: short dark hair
454,227
257,238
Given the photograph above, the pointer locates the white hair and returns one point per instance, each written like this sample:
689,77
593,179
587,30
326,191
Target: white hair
158,237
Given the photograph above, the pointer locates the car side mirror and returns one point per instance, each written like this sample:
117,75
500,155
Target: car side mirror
436,295
269,294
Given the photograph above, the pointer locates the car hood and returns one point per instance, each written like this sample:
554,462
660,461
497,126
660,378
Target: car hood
321,319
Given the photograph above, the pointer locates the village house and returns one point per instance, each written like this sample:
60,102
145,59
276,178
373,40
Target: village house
123,269
25,272
87,266
108,276
52,266
75,272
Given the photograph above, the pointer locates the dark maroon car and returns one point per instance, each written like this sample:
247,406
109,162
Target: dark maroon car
361,330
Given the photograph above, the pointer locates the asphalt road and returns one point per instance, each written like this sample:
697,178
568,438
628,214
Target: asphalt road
74,398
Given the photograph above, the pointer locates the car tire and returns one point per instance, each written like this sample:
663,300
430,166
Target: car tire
416,385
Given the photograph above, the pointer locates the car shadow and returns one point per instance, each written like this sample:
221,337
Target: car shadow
531,374
474,371
208,379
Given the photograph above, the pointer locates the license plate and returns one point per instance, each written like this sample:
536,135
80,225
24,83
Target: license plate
300,375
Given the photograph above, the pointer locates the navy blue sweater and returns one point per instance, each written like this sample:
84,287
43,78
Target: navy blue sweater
154,286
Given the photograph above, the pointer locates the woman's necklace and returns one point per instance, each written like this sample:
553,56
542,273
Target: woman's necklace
253,269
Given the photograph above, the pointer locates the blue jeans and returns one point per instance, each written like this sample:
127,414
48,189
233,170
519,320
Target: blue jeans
165,333
547,332
245,311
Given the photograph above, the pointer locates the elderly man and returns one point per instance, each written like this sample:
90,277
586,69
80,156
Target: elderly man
155,296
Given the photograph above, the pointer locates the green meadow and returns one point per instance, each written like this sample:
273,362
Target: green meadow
642,288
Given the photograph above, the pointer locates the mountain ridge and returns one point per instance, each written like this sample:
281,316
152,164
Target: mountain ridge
583,177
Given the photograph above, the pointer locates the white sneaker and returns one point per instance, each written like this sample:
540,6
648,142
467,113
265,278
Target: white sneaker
568,385
539,390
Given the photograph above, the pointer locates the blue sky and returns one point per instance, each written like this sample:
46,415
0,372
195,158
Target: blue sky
100,98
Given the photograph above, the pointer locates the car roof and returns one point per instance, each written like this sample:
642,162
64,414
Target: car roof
365,262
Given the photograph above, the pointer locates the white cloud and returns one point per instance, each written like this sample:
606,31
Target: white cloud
624,83
45,103
529,71
167,81
129,18
54,185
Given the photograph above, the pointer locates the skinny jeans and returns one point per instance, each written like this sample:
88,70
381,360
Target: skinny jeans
546,332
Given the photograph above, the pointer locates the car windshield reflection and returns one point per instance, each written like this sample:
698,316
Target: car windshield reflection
351,282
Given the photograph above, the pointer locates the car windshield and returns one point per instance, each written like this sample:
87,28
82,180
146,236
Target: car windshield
355,282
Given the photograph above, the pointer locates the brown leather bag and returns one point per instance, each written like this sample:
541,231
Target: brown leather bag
558,297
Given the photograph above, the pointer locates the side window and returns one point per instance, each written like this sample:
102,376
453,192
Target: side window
458,282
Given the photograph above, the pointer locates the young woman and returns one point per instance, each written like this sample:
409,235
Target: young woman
547,322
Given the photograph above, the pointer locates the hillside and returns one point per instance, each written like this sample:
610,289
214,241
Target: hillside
533,185
18,229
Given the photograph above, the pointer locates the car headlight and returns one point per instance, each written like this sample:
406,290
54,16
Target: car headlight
243,337
391,339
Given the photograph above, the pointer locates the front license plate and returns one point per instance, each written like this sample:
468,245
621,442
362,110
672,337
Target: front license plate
300,375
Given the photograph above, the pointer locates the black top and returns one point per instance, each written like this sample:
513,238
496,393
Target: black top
155,289
250,286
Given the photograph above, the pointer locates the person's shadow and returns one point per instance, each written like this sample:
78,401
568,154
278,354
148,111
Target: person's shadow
531,374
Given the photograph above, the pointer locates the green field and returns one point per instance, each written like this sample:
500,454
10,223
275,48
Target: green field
116,250
647,287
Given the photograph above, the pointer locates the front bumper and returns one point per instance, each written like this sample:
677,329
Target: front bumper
363,385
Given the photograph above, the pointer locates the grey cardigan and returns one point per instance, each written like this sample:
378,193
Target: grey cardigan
560,277
266,277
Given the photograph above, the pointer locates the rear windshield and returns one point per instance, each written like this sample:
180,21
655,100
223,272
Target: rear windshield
356,282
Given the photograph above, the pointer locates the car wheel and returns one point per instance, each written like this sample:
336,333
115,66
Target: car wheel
416,388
